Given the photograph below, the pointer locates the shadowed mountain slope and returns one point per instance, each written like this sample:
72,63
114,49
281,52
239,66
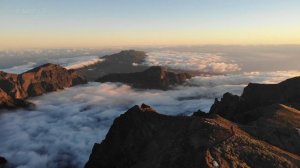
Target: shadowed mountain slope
141,137
155,77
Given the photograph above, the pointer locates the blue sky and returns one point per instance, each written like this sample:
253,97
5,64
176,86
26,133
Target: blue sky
121,22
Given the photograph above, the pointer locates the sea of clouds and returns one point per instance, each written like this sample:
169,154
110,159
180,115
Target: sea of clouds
194,61
62,129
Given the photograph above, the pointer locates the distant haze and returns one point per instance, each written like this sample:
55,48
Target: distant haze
209,58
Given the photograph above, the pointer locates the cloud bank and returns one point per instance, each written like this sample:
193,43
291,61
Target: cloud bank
68,63
20,68
82,62
204,62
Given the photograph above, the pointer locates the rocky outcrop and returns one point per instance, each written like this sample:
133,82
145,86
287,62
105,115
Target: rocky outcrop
48,78
8,102
14,89
141,137
268,112
236,108
155,77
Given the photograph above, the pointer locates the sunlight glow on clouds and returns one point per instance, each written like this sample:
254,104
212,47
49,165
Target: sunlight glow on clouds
205,62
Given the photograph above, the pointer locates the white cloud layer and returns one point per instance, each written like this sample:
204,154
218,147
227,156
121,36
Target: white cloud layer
82,62
68,63
61,131
204,62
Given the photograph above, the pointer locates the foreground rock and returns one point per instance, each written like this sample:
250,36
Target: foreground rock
237,108
14,89
3,162
268,112
155,77
144,138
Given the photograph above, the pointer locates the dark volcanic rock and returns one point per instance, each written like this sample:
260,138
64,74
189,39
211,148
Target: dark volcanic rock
155,77
3,162
143,138
266,112
14,89
257,95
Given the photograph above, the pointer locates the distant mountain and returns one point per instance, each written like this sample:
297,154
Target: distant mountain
155,77
141,137
126,61
14,89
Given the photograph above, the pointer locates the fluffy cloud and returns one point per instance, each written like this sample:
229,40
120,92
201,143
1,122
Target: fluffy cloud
69,63
80,62
205,62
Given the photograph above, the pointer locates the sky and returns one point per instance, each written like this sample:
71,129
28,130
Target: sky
108,23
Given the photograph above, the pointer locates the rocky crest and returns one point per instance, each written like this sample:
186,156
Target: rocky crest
155,77
267,111
14,89
141,137
236,108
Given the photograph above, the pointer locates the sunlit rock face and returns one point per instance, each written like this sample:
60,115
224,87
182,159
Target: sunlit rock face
142,137
155,77
48,78
43,79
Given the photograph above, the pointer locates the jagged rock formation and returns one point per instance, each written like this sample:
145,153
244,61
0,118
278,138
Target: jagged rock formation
236,108
268,112
123,62
141,137
14,89
155,77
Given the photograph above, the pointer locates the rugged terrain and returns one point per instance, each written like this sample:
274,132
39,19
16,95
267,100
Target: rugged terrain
141,137
155,77
15,88
267,111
